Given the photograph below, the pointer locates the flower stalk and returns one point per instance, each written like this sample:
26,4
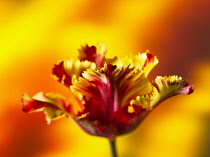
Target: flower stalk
113,148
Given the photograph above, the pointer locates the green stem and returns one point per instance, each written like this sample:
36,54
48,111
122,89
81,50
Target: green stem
113,148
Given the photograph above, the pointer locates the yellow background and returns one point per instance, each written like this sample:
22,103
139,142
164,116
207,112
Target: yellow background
34,34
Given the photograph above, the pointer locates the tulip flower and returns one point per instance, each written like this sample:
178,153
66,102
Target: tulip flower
108,97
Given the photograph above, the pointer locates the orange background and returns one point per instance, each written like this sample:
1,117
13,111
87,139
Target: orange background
34,34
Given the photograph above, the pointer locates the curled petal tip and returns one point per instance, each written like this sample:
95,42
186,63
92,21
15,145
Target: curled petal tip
53,105
169,86
29,104
187,90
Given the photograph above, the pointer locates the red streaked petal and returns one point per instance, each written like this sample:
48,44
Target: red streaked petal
31,105
60,74
94,54
109,89
97,88
54,105
51,104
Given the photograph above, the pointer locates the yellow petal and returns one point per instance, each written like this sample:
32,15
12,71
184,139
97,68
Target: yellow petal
66,71
142,61
169,86
76,67
143,101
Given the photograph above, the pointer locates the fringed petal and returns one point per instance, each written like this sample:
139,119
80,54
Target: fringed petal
59,74
163,88
87,53
143,101
94,54
150,62
67,70
142,61
54,106
169,86
76,67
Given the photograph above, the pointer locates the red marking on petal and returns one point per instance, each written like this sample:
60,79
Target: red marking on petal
32,105
87,53
137,109
95,111
125,122
67,107
110,68
59,71
150,58
90,53
120,118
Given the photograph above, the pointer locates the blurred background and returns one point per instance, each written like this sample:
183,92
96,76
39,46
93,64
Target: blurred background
35,34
